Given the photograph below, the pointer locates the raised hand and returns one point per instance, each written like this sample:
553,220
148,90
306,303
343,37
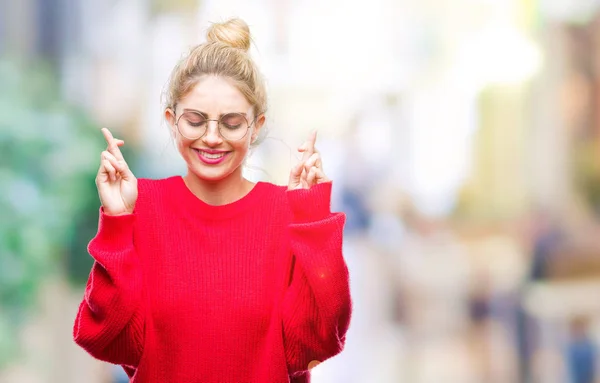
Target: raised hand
309,171
117,186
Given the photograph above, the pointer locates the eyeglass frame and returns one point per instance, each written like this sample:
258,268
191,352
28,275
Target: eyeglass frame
218,121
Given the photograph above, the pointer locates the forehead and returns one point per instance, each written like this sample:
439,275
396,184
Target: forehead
213,94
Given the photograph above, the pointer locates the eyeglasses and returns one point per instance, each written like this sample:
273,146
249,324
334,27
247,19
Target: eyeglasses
232,126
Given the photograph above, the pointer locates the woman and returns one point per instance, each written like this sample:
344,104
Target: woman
209,277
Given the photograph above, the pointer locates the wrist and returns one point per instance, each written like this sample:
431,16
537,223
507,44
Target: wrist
310,205
110,213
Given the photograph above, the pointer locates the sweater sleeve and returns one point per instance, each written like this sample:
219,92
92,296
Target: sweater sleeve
110,322
317,304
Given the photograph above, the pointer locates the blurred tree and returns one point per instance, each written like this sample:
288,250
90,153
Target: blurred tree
49,153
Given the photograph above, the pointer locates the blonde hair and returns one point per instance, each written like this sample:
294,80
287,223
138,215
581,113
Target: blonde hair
224,54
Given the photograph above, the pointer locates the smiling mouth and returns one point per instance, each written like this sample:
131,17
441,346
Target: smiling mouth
210,157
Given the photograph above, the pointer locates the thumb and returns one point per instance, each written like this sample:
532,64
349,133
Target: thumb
295,175
124,171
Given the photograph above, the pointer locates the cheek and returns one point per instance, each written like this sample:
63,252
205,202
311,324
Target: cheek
243,147
179,143
183,146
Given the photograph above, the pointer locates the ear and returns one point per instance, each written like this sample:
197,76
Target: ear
260,121
170,117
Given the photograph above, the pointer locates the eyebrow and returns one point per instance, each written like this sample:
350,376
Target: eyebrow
206,114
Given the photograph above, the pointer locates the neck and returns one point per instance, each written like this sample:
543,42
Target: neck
222,192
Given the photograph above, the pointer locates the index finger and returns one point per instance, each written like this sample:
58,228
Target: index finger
113,146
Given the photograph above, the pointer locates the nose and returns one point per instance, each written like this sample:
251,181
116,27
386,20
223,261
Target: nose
212,137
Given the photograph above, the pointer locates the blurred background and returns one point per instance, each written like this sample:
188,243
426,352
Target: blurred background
463,137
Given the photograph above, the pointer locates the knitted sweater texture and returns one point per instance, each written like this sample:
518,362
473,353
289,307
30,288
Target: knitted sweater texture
254,291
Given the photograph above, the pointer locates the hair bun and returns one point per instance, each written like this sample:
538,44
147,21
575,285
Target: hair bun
233,32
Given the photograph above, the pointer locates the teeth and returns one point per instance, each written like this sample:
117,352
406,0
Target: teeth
212,156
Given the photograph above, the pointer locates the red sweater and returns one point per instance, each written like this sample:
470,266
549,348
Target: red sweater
249,292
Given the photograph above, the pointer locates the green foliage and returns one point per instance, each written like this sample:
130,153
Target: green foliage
49,154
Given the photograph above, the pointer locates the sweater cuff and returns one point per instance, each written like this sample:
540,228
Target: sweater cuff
311,205
115,231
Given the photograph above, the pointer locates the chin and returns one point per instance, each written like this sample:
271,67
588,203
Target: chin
210,175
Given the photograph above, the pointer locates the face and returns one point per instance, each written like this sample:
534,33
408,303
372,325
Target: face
213,157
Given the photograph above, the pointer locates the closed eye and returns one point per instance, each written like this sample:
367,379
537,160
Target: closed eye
196,124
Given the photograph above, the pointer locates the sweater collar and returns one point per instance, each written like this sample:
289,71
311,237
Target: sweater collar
217,212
